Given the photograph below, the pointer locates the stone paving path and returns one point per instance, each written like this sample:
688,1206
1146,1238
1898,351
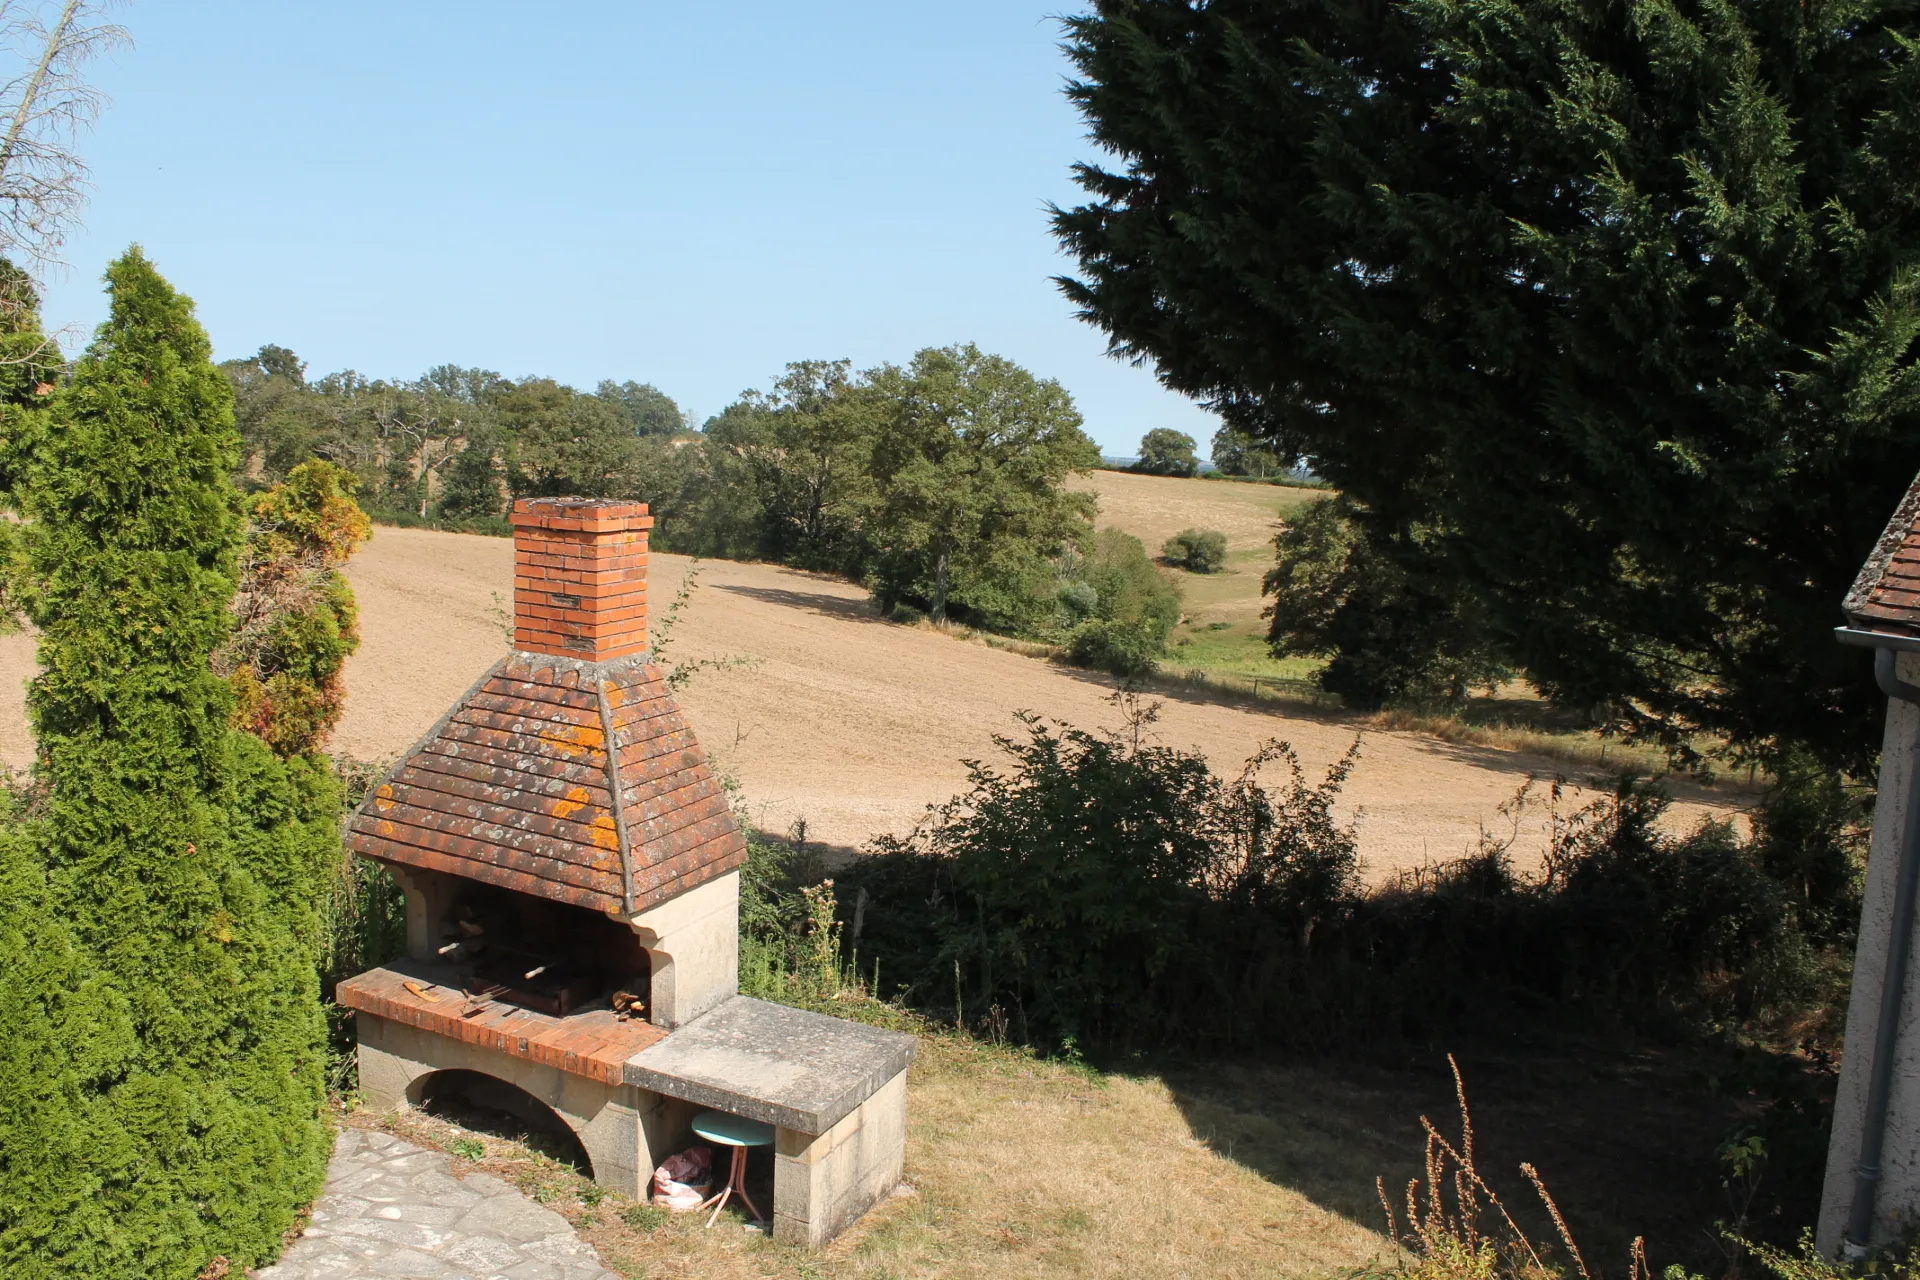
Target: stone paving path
391,1209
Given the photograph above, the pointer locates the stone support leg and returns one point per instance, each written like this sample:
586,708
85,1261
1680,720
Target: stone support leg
694,943
823,1183
429,896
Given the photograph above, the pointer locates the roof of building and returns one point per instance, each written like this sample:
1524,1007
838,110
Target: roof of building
1886,595
516,786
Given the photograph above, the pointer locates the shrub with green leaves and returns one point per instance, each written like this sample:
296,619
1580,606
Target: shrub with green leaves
163,1044
1196,550
1107,889
1134,606
295,622
1095,889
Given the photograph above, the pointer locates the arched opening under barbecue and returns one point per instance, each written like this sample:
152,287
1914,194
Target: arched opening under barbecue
487,1104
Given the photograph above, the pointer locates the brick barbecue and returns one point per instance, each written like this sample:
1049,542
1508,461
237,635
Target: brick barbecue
570,865
567,772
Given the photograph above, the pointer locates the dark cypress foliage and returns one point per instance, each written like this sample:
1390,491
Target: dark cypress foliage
175,862
1601,313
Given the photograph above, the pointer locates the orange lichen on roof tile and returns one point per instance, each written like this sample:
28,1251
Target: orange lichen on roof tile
517,787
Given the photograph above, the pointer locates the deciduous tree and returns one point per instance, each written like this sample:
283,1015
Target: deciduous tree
969,503
45,101
1235,453
1166,452
645,408
567,443
806,449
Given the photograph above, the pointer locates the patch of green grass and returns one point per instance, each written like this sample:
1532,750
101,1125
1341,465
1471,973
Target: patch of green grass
622,1265
468,1148
1231,650
642,1216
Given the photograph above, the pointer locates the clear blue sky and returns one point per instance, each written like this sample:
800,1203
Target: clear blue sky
688,195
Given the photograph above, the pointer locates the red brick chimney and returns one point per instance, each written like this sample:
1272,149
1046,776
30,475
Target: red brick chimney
580,577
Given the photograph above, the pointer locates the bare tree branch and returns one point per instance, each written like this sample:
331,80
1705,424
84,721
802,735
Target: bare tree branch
43,181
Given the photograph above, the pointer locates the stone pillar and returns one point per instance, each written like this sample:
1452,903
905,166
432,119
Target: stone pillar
694,943
823,1183
429,896
1898,1198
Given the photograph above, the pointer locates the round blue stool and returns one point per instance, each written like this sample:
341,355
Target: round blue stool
739,1133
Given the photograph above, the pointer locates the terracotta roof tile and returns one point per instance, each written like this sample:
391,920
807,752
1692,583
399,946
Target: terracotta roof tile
1886,595
515,787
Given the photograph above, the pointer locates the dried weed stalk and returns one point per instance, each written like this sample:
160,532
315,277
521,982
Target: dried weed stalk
1442,1233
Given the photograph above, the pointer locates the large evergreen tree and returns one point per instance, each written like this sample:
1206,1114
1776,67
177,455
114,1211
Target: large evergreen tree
1601,313
173,1068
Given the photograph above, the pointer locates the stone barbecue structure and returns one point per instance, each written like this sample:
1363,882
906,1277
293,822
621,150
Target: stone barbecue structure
571,872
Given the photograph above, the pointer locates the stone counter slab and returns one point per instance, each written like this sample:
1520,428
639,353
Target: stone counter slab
787,1067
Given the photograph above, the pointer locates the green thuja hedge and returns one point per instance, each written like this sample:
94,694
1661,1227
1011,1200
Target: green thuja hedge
161,1039
65,1037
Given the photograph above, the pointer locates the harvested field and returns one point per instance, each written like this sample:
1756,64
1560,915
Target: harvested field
1154,508
855,725
1222,629
850,723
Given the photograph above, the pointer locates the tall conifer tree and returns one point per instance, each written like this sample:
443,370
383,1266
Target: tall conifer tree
178,859
1603,315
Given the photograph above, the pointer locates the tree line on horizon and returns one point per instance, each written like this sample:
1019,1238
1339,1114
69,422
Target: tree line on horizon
940,484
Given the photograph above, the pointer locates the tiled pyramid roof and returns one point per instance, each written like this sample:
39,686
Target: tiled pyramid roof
1886,595
517,787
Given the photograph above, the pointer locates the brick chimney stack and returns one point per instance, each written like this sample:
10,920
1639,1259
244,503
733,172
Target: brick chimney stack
580,577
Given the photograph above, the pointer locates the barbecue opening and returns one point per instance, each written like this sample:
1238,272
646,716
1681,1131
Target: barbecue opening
546,956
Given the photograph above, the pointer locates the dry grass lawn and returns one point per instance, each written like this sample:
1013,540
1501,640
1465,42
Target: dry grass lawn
1217,1167
1017,1167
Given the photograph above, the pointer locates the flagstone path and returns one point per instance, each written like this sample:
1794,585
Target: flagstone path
391,1209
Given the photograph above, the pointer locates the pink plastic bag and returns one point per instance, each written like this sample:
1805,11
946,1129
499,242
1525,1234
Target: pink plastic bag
683,1180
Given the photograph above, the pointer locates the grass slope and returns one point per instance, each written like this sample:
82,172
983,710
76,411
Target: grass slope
1221,641
1221,631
